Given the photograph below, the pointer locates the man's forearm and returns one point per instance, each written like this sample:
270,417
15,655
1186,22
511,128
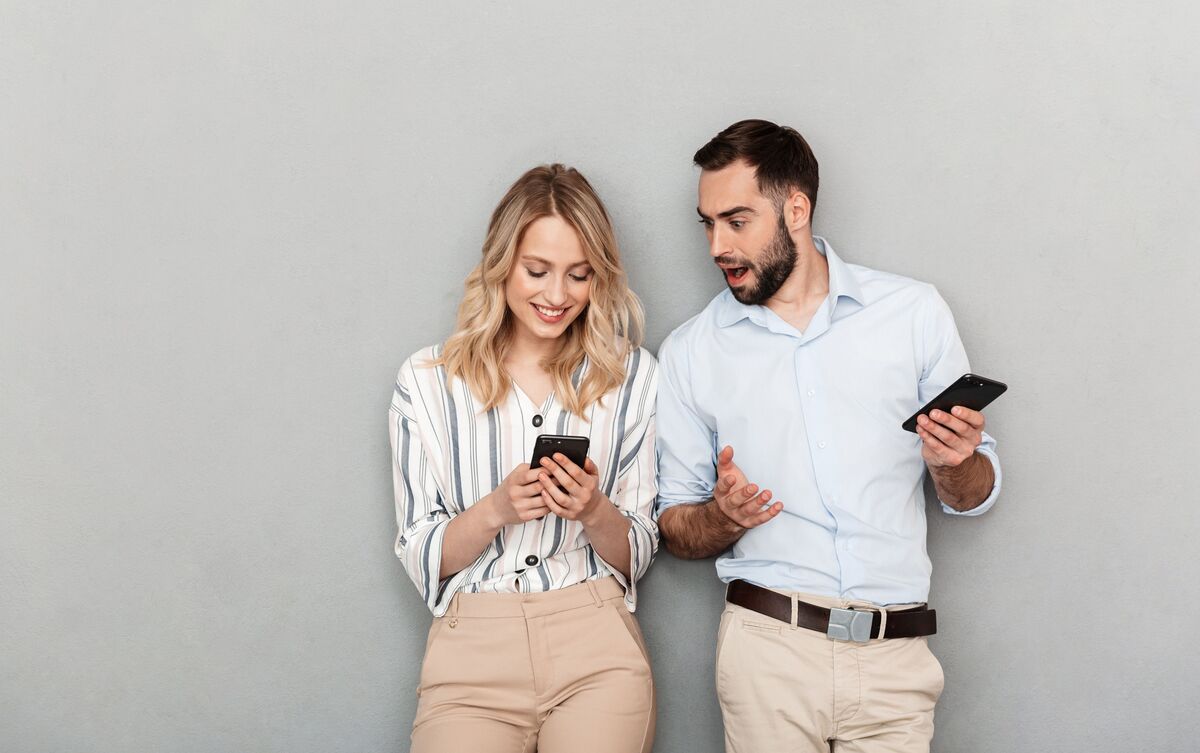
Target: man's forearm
698,531
965,486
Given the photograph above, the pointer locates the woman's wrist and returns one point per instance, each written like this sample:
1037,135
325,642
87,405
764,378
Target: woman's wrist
603,512
489,515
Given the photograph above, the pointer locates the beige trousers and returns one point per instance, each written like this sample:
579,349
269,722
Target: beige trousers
555,672
785,688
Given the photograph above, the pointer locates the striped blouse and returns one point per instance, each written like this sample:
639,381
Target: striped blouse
447,454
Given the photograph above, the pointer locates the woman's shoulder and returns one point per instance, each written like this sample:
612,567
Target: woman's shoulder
424,358
641,369
640,360
420,367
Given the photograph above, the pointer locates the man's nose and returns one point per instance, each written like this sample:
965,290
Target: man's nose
716,243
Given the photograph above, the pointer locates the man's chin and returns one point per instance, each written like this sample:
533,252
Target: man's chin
744,294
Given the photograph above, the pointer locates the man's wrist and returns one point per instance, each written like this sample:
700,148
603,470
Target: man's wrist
722,522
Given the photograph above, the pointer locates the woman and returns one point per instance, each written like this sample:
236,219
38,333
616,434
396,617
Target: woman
531,572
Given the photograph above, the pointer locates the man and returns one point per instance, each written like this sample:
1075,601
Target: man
806,367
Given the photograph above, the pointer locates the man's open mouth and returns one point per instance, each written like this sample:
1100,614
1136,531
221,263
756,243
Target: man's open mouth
733,274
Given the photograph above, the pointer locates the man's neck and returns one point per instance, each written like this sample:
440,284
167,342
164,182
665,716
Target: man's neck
805,288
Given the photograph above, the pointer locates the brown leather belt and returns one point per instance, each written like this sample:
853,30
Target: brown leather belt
840,624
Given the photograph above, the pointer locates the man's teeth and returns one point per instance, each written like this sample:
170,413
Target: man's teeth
549,312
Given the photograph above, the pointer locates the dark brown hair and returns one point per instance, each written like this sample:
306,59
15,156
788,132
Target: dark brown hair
781,158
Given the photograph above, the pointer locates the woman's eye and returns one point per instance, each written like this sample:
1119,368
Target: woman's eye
535,274
579,278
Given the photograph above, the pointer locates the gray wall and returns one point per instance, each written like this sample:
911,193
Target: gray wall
224,226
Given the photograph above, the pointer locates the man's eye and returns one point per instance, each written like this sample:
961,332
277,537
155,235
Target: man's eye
737,224
705,223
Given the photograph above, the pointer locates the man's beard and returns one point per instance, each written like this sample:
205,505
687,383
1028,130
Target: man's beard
778,261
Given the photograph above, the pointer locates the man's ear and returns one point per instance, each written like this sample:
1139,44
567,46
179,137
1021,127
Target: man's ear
798,211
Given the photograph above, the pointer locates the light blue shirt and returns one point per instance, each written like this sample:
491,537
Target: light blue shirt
815,417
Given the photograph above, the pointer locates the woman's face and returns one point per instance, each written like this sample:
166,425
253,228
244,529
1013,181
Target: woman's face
550,280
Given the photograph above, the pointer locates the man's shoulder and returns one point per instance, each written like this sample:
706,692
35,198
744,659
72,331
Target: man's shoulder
907,293
878,283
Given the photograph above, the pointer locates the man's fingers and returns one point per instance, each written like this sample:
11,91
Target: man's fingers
939,448
726,483
972,417
725,457
958,426
750,509
947,437
758,518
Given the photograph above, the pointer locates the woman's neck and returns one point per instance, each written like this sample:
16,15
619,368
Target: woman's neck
525,351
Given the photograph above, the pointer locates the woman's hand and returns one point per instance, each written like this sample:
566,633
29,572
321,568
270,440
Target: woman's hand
579,497
518,499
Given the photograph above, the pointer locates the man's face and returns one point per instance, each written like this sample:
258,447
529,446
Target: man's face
747,237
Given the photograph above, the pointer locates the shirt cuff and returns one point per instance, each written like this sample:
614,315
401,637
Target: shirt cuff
666,504
643,544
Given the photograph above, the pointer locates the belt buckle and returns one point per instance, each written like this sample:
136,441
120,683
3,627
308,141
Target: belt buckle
850,625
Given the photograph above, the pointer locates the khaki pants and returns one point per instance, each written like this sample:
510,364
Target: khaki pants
560,671
785,688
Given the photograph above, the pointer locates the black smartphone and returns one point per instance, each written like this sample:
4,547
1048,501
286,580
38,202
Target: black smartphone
575,448
969,390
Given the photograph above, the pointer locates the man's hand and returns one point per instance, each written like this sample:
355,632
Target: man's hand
702,530
738,499
962,477
948,439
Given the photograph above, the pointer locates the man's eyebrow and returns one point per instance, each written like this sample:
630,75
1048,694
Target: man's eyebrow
727,213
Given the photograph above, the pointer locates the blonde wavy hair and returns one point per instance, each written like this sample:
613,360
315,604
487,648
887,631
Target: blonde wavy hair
606,331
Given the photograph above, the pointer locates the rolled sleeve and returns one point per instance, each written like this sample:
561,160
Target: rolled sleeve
686,443
636,491
421,516
945,361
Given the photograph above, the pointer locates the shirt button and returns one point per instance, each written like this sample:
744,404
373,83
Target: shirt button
531,560
537,420
821,445
811,393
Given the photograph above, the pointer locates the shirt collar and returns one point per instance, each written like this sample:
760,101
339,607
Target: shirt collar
843,283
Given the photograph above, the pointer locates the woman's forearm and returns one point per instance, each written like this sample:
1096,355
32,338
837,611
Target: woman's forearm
467,535
608,530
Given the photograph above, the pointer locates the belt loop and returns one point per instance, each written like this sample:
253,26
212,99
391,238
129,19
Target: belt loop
882,622
795,610
591,584
453,621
